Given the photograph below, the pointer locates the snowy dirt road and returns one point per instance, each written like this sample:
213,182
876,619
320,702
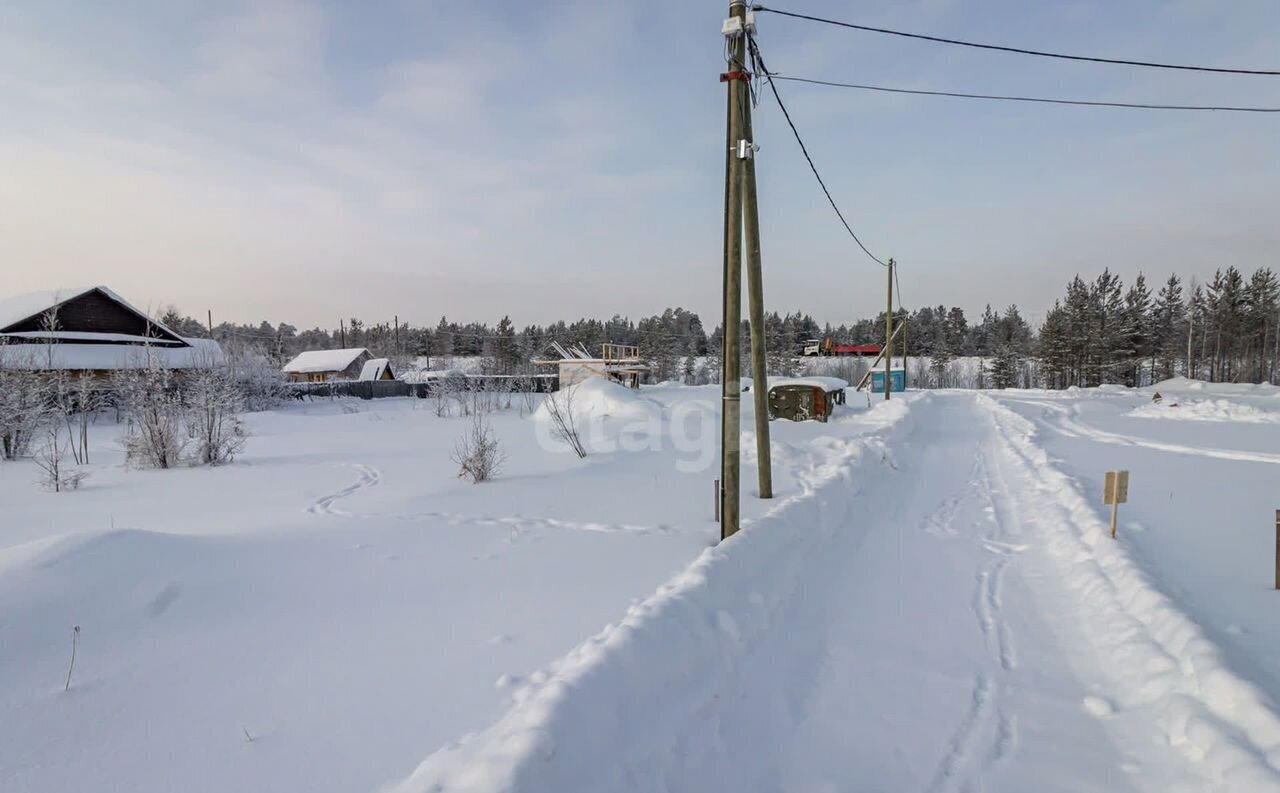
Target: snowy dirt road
936,611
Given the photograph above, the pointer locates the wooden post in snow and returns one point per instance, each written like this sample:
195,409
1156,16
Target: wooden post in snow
1115,491
1278,549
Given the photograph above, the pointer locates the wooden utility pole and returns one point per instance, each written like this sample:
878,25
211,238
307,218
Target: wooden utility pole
342,331
906,342
209,318
397,336
888,336
755,303
731,387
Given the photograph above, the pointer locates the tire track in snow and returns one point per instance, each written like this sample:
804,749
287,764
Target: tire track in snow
369,476
519,524
1063,423
1002,551
1004,520
987,715
1222,723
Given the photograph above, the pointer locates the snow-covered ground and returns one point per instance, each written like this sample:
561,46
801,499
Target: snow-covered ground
931,602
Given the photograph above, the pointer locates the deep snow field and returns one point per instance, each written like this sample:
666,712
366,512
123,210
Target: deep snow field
931,602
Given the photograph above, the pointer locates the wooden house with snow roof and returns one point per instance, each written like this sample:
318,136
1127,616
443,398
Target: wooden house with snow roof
323,366
92,330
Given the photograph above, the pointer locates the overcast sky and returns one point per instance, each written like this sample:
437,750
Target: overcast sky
301,162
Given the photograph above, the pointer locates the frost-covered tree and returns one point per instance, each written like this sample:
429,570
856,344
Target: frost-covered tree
23,404
213,405
148,398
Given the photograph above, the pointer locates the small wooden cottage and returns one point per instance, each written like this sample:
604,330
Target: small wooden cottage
93,331
323,366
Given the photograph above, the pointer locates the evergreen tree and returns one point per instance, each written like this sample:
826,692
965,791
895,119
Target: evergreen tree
1197,329
1004,366
505,353
1134,340
1168,318
1055,348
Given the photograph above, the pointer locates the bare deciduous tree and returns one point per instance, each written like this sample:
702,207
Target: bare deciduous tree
56,476
525,384
447,391
564,419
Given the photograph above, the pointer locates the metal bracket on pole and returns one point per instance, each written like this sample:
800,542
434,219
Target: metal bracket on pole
746,150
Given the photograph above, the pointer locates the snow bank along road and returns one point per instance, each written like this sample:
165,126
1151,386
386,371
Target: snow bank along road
937,608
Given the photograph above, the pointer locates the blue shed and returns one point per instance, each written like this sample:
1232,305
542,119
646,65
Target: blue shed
897,380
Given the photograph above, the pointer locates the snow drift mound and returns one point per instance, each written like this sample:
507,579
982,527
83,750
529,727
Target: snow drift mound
1183,385
1205,410
617,713
599,399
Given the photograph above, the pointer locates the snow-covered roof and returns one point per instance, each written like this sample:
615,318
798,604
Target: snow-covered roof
107,357
324,360
374,367
825,383
78,335
19,307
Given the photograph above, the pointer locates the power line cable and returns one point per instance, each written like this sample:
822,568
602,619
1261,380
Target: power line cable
1043,100
1017,50
762,70
897,287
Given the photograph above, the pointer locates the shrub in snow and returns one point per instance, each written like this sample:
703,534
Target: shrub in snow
478,454
149,399
49,457
24,406
565,419
525,384
261,384
480,399
214,403
445,391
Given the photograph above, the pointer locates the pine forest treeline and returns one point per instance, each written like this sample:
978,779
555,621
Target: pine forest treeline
1099,332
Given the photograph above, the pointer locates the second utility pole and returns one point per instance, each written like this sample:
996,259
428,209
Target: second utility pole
755,304
731,387
888,336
